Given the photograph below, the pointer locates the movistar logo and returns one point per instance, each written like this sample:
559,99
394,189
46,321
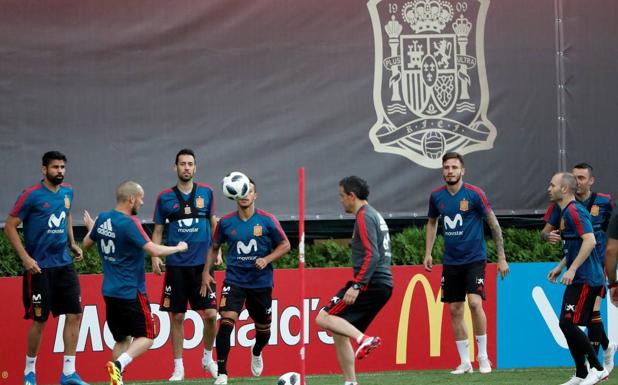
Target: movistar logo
241,248
108,247
453,223
56,221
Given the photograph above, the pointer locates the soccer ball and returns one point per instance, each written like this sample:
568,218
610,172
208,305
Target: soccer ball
290,378
236,185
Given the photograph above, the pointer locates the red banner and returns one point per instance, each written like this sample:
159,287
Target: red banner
414,326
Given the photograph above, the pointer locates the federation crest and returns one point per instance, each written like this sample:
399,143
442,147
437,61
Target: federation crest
67,202
199,202
430,85
257,231
594,210
463,205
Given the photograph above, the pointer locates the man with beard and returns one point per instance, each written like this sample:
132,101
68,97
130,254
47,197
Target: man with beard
600,207
189,210
583,279
255,240
463,207
50,279
121,242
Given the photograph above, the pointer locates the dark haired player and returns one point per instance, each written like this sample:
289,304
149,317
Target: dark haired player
50,278
463,208
255,240
352,309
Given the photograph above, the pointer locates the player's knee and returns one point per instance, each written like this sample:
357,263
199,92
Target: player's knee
209,316
322,319
567,327
226,325
475,304
178,318
72,318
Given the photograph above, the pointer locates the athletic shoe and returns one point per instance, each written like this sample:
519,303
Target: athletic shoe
71,379
211,366
115,376
608,357
257,364
178,375
366,346
221,379
574,381
463,368
29,379
484,365
594,377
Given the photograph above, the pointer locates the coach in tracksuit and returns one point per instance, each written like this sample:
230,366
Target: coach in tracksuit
352,309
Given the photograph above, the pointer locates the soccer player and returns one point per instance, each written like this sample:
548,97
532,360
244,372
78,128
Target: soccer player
121,242
189,210
50,279
255,240
463,207
352,309
600,207
583,279
611,255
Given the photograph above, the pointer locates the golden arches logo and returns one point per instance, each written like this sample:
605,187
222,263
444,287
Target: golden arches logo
435,310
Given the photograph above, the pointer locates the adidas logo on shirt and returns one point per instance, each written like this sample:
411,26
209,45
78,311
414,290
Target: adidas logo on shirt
106,229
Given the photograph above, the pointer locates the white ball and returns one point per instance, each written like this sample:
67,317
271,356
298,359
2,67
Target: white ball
289,378
236,185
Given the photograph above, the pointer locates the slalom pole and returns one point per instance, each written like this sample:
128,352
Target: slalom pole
301,267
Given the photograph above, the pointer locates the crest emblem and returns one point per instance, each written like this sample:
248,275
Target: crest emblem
594,210
67,202
463,205
257,231
430,85
199,202
562,224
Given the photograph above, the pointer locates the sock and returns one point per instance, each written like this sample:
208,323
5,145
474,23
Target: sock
207,355
595,330
604,339
360,338
30,365
69,365
350,383
124,360
481,342
178,365
262,335
464,352
223,343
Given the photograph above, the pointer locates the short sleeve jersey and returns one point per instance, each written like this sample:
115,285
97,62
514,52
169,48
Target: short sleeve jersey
575,223
463,214
193,228
600,213
248,240
120,240
44,214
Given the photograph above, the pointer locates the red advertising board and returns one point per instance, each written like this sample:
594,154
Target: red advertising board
414,326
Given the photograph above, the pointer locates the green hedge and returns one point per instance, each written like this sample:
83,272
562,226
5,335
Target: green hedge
521,245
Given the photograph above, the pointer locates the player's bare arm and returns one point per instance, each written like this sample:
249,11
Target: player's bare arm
588,243
431,230
78,254
10,230
496,234
157,236
555,272
550,234
282,249
207,279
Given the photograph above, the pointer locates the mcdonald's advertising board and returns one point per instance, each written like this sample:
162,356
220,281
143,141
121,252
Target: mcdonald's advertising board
414,327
